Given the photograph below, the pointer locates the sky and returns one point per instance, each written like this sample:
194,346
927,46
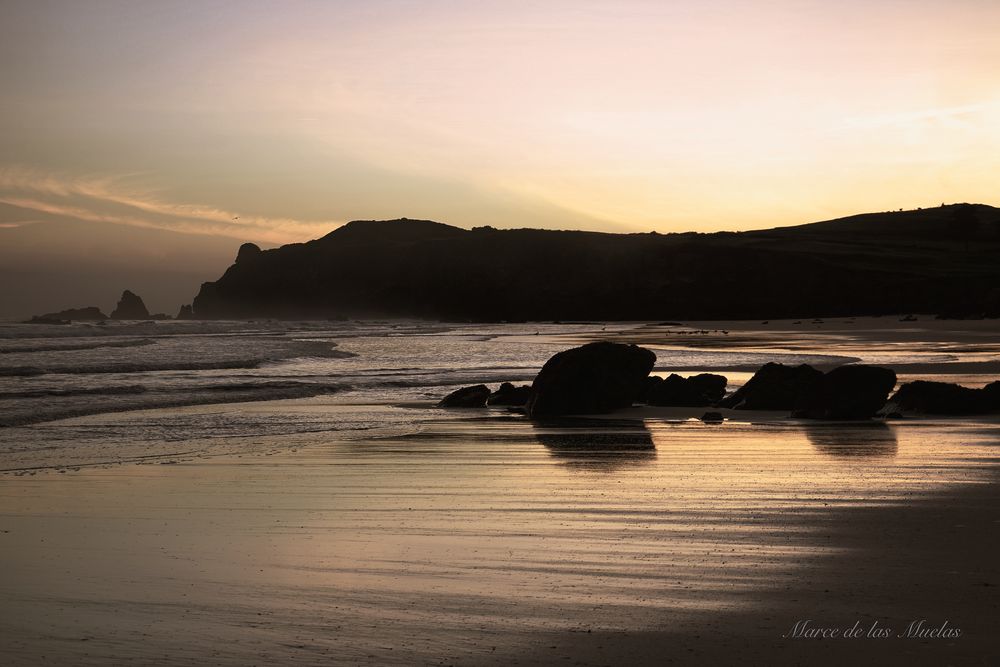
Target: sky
279,121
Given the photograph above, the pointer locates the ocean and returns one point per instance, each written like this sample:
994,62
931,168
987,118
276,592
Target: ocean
50,374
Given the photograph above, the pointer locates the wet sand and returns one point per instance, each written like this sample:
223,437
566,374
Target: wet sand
484,539
926,347
931,560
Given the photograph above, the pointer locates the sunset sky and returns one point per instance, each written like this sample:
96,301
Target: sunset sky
277,121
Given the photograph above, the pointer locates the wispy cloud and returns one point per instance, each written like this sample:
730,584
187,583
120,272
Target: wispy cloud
15,225
118,200
927,115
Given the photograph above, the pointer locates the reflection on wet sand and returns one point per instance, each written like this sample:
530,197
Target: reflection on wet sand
480,539
604,445
848,440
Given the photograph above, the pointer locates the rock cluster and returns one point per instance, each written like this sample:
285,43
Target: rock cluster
602,377
594,378
466,397
88,313
693,392
942,398
510,395
773,387
846,392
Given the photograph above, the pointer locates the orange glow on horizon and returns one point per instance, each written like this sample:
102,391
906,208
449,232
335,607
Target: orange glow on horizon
645,116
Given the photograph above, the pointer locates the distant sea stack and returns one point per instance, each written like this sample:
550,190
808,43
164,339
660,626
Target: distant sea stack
130,307
88,313
939,260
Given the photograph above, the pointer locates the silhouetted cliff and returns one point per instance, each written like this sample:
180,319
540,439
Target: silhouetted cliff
931,260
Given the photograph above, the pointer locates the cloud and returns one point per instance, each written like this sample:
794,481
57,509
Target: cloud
118,200
15,225
922,116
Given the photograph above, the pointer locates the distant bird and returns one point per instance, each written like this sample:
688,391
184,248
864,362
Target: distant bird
236,218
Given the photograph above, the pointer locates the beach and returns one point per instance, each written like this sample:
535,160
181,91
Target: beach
493,334
380,530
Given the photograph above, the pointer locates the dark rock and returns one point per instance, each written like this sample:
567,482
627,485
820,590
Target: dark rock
943,398
88,313
774,387
713,418
185,313
160,316
650,387
676,391
508,394
594,378
130,307
247,252
847,392
466,397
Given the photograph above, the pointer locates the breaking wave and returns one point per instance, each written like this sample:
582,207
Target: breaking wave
63,404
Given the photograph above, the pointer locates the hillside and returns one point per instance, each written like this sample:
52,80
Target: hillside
932,260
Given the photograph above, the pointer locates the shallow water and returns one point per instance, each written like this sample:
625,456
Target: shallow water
52,373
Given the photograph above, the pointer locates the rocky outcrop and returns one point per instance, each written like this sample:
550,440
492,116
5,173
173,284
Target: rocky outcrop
774,387
130,307
247,252
408,268
510,395
185,313
595,378
88,313
943,398
675,391
466,397
846,392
